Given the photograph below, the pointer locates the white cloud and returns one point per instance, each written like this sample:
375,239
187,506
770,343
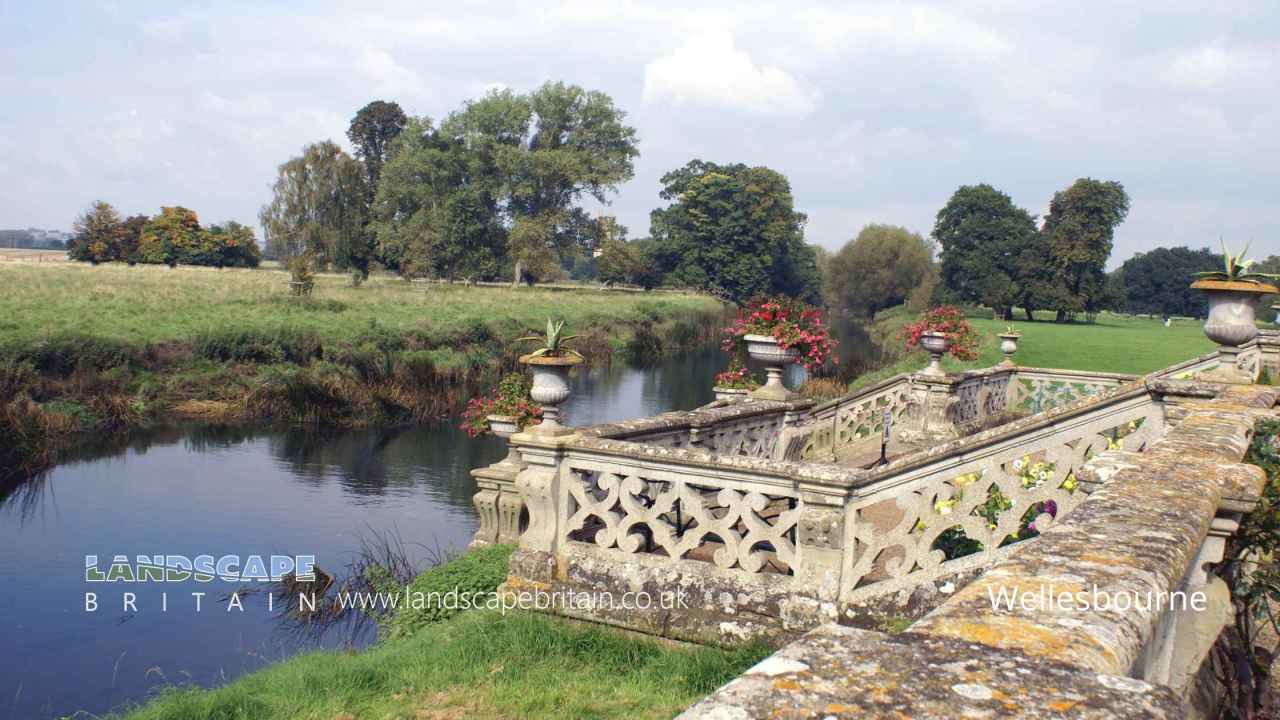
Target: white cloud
1211,66
709,70
901,26
389,77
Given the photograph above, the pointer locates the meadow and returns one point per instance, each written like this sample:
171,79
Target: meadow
148,304
109,348
1113,343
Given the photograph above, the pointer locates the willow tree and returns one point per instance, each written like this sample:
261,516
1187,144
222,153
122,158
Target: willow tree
318,206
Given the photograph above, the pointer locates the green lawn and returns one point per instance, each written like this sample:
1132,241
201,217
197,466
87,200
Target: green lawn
1115,343
152,303
478,665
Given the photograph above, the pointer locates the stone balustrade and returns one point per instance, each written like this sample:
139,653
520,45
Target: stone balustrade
707,501
1007,644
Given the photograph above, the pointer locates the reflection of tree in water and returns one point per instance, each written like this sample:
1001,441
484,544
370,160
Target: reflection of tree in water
23,497
371,461
859,351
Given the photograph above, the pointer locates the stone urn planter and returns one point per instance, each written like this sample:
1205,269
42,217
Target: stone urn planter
504,426
766,349
1232,317
730,393
936,344
1008,346
550,388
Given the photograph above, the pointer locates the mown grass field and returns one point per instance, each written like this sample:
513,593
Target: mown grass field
151,303
1115,343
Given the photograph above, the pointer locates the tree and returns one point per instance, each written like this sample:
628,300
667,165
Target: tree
499,183
172,237
235,245
318,206
619,262
371,133
880,268
983,235
96,234
572,143
1158,282
1080,230
733,230
437,211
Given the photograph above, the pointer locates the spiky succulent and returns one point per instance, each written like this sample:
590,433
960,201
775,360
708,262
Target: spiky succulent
1236,269
555,342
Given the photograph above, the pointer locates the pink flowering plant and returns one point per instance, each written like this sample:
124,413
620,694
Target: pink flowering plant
950,321
736,377
792,323
511,398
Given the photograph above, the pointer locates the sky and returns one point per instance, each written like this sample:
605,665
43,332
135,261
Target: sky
876,112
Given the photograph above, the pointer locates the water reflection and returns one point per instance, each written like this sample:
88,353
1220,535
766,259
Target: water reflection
221,490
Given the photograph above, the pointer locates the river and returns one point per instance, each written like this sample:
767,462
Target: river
206,490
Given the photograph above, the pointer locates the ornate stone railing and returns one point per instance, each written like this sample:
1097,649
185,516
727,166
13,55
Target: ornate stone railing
726,429
1018,642
967,503
649,503
1038,389
859,416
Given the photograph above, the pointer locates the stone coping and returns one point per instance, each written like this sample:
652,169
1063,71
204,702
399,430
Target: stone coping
798,473
842,672
1138,533
1086,374
703,417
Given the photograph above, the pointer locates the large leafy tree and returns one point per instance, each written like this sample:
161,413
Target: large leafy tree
878,269
572,143
499,182
1158,282
371,132
96,234
984,239
1080,232
437,211
318,206
733,230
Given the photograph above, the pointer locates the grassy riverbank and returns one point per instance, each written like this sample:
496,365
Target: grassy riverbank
1115,343
112,347
477,664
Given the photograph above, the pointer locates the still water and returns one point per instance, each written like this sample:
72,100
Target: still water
200,490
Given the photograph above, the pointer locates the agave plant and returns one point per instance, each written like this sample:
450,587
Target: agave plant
1236,269
554,344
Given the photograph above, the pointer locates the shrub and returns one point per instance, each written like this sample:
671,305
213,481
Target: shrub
284,344
65,353
26,447
473,575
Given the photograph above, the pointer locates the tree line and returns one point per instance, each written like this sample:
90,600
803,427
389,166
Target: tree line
984,250
172,237
495,190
